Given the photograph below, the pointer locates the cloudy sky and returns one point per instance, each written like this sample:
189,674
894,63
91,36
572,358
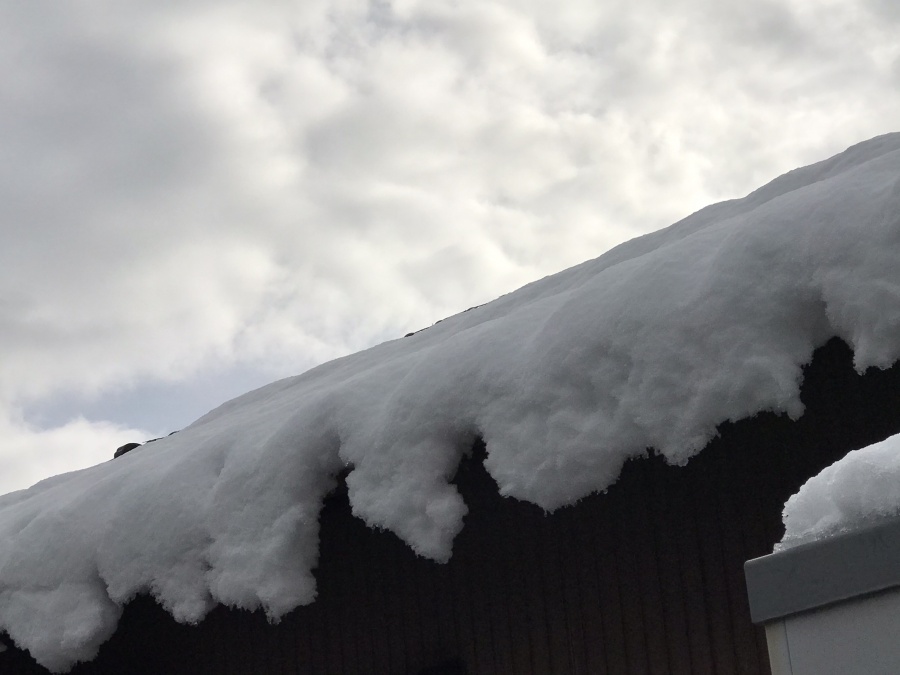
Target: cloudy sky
199,198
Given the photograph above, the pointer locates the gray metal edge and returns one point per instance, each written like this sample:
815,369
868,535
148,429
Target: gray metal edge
823,572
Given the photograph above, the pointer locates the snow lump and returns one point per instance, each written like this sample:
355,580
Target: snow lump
862,488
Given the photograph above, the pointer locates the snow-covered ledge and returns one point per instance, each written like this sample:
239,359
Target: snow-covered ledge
831,607
829,595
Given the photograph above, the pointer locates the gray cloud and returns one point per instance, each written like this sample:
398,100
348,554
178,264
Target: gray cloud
191,193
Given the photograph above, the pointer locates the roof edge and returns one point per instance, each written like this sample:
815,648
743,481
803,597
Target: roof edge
824,572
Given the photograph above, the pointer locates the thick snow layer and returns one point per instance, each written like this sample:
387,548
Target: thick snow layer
861,489
652,345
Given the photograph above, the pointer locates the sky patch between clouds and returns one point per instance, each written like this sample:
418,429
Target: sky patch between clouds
219,193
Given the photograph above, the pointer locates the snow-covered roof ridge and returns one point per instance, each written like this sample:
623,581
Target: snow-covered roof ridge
653,344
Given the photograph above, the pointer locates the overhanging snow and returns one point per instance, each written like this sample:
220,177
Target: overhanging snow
652,345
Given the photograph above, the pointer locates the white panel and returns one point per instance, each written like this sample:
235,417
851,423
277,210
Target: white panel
779,652
857,637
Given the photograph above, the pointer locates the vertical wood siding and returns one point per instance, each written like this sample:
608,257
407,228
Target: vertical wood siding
645,579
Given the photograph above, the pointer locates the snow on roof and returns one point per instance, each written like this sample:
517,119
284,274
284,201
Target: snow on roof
861,489
651,345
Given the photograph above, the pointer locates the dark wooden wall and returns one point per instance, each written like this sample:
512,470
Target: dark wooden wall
646,579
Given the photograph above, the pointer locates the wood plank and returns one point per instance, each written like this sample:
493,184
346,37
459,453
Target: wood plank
665,515
588,590
610,589
642,535
687,538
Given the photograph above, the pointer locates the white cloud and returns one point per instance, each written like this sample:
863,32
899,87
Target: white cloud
190,187
30,454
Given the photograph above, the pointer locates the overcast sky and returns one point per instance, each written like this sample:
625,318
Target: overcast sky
200,197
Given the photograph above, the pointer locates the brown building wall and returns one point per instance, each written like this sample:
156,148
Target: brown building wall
645,579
